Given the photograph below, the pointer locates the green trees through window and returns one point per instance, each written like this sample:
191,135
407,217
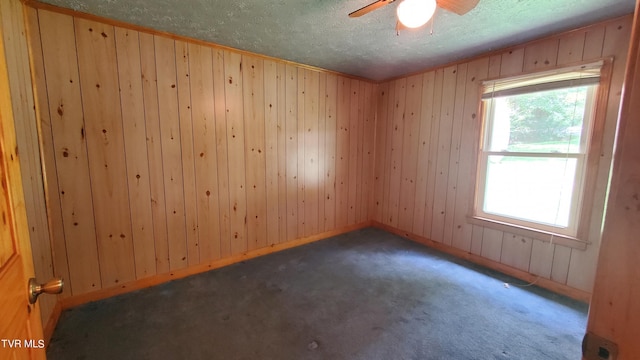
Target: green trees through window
549,120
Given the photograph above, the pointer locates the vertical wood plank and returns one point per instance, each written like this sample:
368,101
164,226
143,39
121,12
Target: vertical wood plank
495,63
254,125
541,55
516,251
560,265
203,115
593,42
491,244
233,70
154,151
433,153
105,144
409,166
353,145
183,85
331,134
222,151
322,150
477,234
454,156
170,139
368,144
382,95
311,153
292,151
582,269
512,62
570,48
271,137
541,258
424,142
282,152
342,152
388,116
444,152
134,129
300,152
359,154
395,169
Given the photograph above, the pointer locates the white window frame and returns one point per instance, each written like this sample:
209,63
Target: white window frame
591,73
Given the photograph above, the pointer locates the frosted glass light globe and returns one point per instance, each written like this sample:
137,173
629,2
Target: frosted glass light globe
415,13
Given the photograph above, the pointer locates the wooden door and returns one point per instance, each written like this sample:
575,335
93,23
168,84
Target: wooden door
20,328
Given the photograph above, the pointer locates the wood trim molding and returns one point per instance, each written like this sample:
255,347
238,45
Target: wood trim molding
78,300
573,293
42,6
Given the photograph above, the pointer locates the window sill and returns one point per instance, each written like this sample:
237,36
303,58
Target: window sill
541,235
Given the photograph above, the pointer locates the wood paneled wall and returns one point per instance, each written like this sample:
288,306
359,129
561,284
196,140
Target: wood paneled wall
163,154
428,125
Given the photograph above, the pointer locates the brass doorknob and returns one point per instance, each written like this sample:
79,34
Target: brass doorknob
51,287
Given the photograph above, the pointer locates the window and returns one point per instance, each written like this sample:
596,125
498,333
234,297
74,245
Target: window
532,161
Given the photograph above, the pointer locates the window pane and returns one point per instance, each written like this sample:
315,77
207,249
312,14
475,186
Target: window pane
545,121
530,188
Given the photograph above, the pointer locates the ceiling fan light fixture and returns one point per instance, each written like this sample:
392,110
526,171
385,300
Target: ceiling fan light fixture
415,13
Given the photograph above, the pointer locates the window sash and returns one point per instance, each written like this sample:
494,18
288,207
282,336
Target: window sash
579,179
576,196
488,112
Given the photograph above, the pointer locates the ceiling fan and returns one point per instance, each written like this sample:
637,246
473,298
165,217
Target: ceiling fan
415,13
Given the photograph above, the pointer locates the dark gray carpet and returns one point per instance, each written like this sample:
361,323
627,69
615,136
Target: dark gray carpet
363,295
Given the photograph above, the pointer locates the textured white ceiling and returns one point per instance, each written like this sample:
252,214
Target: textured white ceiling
319,32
